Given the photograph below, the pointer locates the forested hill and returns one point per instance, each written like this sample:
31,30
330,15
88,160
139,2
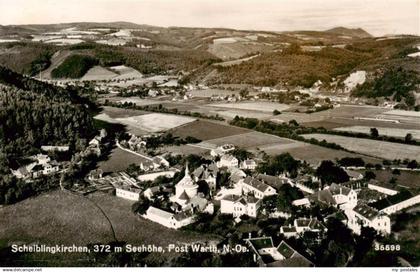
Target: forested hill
34,113
13,79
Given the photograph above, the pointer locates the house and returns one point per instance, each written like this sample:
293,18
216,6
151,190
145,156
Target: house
240,205
301,202
228,161
152,176
335,195
364,216
221,150
256,187
267,255
396,203
160,162
354,175
167,219
248,164
382,188
42,166
208,173
59,148
309,225
150,192
289,231
236,174
136,143
95,174
274,181
125,186
126,191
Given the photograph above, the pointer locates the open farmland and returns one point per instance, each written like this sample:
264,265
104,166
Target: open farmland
114,112
254,106
155,122
250,140
392,132
206,130
369,147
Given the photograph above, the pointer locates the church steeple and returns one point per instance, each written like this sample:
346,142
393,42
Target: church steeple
187,171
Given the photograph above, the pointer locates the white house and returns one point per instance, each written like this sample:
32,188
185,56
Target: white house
167,219
221,150
337,196
228,161
256,187
239,205
160,162
248,164
154,175
363,215
127,192
309,224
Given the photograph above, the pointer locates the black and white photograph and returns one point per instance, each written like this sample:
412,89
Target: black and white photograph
144,134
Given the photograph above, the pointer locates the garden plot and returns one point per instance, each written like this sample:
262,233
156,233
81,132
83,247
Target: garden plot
391,132
155,122
381,149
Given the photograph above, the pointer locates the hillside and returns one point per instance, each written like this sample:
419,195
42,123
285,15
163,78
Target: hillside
261,58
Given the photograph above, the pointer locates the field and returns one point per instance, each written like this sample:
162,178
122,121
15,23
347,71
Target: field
138,122
155,122
250,140
65,218
125,72
119,160
98,73
207,130
405,179
113,112
369,147
392,132
254,106
314,154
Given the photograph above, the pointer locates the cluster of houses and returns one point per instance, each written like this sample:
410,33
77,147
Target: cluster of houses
41,165
177,205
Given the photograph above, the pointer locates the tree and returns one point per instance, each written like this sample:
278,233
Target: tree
413,164
276,112
408,138
141,206
369,175
280,164
374,132
328,172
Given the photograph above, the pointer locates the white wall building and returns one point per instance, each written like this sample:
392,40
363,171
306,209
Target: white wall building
363,215
228,161
240,205
257,187
167,219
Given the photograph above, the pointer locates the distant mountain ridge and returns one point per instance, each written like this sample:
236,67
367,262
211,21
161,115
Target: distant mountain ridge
353,32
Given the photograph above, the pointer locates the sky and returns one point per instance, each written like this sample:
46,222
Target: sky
378,17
